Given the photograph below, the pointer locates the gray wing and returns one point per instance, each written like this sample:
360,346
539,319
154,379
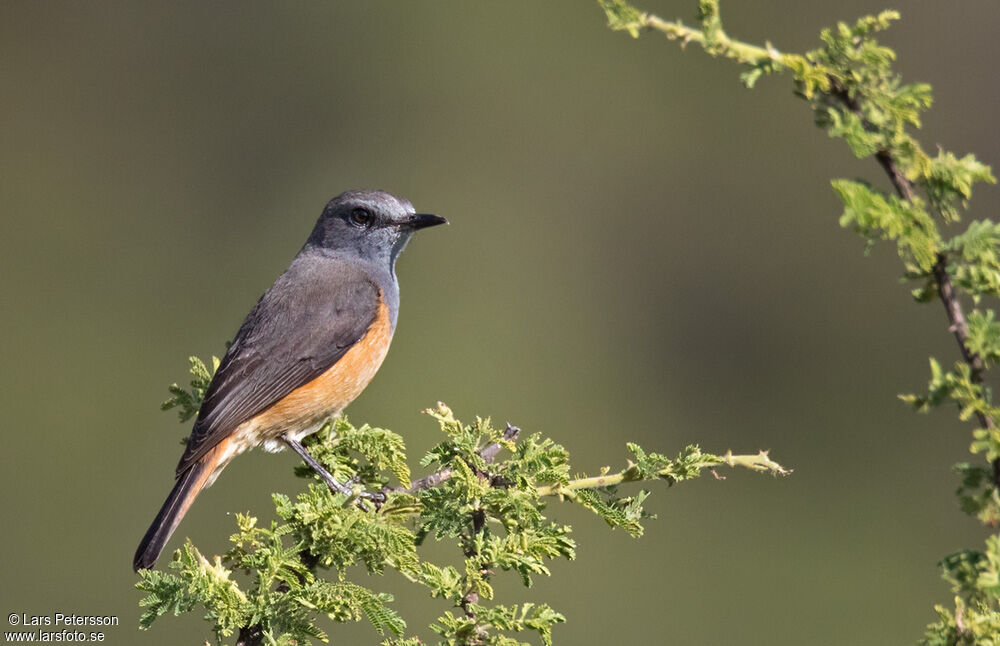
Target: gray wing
299,328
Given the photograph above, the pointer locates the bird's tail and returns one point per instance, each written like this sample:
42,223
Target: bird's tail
189,484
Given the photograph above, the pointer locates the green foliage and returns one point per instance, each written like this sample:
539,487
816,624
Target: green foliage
984,335
616,511
268,587
622,16
977,495
526,617
600,493
975,580
886,217
363,453
955,385
284,599
195,582
189,401
338,536
949,182
975,261
865,103
856,96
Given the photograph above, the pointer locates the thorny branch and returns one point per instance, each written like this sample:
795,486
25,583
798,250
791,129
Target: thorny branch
759,462
487,453
957,323
744,53
253,634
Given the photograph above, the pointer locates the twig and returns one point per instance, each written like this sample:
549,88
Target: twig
487,453
957,323
757,462
472,597
742,52
737,50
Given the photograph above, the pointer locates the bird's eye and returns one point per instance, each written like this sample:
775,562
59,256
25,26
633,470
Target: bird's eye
361,217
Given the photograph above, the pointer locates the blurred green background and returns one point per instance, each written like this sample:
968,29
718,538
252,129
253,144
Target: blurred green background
640,250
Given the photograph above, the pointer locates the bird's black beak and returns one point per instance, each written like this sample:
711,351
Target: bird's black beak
416,221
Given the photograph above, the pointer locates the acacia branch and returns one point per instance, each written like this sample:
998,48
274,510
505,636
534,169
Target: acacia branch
946,292
957,324
253,634
757,462
487,453
716,42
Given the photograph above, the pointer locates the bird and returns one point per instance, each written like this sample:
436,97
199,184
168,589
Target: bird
304,352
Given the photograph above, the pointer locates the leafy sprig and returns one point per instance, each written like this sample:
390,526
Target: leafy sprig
855,95
488,495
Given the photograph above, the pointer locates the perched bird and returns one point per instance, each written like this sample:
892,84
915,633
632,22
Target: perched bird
307,348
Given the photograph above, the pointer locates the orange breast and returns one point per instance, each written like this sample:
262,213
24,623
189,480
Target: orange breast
333,390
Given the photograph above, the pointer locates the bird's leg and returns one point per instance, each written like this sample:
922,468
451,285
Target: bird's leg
330,481
327,477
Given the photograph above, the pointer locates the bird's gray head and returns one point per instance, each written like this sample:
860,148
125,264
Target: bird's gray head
368,225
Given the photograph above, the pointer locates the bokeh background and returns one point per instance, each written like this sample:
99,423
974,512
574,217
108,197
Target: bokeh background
640,250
